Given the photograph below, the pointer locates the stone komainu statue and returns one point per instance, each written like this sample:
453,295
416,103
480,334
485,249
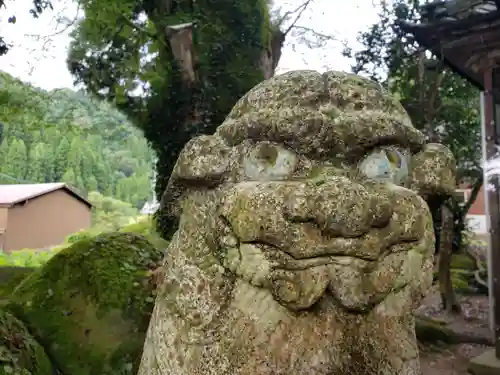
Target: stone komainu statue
304,243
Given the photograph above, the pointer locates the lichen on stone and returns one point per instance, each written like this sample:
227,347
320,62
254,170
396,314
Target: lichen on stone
434,171
91,303
293,256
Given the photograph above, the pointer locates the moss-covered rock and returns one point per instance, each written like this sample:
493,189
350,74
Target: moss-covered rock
463,262
20,353
462,281
433,331
10,277
91,303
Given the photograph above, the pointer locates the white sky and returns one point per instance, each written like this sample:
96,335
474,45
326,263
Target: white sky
40,45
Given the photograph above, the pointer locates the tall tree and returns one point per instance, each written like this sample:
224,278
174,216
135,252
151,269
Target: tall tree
74,157
61,158
69,177
36,165
17,160
191,60
44,121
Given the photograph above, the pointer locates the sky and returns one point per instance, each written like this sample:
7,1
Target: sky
40,45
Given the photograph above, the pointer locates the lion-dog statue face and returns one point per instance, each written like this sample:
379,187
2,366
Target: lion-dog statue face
304,242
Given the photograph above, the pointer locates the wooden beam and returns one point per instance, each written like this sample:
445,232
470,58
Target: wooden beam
493,203
478,37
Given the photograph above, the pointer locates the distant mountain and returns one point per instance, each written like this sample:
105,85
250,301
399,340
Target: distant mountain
63,135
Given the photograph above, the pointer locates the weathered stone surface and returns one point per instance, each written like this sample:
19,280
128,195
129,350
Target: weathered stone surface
300,248
434,171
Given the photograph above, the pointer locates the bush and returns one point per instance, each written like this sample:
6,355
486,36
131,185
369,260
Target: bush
147,228
143,226
81,235
27,257
462,281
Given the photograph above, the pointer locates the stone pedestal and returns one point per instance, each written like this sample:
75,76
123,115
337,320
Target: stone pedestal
485,364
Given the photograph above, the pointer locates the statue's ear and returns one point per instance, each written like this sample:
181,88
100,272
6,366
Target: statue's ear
204,162
433,171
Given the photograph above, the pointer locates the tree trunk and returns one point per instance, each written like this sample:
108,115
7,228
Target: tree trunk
191,100
206,69
448,296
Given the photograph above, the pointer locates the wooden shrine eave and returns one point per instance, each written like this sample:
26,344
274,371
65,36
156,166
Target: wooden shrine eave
468,45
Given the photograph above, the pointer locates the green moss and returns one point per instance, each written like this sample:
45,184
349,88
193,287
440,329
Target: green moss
230,40
20,353
462,261
90,301
461,280
10,278
429,331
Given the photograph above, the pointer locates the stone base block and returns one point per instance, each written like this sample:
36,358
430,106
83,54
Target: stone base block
485,364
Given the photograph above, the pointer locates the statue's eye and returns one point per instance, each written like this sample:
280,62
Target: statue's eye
386,164
267,161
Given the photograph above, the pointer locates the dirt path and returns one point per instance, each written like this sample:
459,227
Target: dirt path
473,321
454,360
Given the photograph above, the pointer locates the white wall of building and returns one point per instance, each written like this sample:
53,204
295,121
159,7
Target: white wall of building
477,223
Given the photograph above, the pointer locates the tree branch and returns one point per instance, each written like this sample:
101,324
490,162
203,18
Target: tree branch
314,32
139,28
298,11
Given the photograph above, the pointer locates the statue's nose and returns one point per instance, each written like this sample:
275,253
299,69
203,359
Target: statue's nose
340,207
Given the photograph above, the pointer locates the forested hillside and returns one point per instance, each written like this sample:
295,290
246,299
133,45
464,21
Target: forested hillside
66,136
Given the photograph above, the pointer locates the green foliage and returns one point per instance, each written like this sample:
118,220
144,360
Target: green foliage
462,280
29,258
444,106
122,46
146,227
81,235
26,258
66,136
109,214
463,262
440,103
